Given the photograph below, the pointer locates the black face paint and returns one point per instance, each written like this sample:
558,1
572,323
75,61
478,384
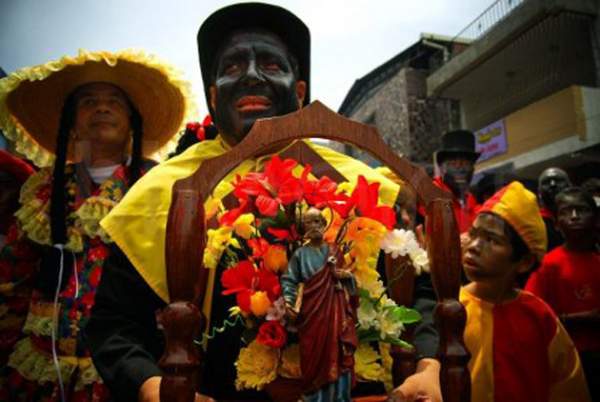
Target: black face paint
551,182
457,176
254,79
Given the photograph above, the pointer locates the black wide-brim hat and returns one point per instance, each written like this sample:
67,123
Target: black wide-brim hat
457,143
288,27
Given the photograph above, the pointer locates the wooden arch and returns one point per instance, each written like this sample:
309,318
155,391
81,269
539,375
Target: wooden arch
186,240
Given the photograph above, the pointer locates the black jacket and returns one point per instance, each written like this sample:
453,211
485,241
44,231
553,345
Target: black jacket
126,344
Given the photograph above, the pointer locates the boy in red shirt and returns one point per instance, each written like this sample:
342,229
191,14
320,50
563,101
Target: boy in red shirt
519,349
569,279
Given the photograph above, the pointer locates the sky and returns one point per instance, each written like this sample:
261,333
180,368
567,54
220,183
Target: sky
349,37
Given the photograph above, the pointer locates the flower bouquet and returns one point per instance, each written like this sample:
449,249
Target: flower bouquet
256,239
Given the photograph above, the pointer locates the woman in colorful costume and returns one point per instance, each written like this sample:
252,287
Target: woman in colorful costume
13,299
90,122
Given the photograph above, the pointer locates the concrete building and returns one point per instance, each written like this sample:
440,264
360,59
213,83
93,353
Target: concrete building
393,97
528,84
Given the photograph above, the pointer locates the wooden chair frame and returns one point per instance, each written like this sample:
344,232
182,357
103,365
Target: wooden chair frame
186,239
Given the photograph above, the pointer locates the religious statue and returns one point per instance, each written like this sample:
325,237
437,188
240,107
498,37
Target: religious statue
320,297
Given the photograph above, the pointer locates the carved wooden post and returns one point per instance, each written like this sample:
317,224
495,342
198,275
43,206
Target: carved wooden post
450,316
181,320
185,243
401,279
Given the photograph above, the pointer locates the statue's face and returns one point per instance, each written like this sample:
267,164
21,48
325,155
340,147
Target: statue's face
313,224
457,172
254,79
551,182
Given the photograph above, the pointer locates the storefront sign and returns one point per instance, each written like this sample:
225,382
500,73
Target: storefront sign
491,141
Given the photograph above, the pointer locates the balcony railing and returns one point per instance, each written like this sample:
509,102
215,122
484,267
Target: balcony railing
487,19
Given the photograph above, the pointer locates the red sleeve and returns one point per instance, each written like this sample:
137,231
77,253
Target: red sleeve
541,282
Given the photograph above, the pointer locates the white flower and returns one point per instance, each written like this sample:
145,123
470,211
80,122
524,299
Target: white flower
420,261
367,315
400,242
389,327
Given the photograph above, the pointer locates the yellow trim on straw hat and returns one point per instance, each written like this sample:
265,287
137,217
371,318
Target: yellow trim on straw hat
31,99
518,206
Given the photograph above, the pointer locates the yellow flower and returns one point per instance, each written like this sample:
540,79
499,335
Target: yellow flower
290,362
366,235
243,226
211,207
386,358
256,366
275,258
217,240
259,303
367,363
334,223
368,279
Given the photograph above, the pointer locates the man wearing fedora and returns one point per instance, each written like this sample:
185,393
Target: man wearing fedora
456,162
255,63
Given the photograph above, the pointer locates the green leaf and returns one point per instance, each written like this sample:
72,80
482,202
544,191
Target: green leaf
364,294
405,315
400,342
368,335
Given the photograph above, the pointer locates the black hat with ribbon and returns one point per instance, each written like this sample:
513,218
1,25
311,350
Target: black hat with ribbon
457,143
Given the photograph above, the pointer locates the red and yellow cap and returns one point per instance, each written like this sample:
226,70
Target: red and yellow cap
518,206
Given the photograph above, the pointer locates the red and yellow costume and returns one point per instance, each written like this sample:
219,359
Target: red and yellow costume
519,349
569,282
520,352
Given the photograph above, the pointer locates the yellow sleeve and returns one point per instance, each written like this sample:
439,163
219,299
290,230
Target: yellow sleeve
568,380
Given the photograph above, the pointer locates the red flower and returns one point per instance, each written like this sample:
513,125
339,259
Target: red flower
244,279
94,277
267,206
192,126
230,216
98,253
44,193
317,192
365,197
272,334
279,171
259,247
342,204
275,186
252,185
283,234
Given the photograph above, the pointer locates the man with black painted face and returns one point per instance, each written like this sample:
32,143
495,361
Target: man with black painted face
254,61
456,162
551,182
254,78
569,278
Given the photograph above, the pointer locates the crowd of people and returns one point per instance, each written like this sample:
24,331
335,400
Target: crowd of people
84,208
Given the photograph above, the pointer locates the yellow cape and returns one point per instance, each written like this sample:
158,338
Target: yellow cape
138,223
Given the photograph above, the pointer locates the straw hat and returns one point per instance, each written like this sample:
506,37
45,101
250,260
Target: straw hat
31,99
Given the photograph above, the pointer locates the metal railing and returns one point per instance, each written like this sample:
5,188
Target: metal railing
487,19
